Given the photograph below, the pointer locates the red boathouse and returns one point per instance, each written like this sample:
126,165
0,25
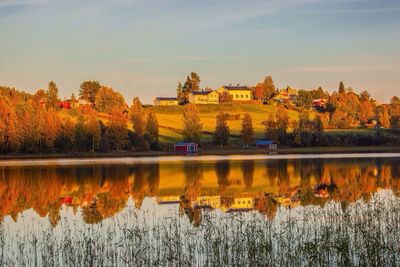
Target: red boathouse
184,148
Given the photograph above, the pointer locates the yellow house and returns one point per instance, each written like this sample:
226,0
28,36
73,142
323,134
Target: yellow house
238,93
166,101
204,97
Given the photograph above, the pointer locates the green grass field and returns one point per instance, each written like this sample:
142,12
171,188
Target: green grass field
170,118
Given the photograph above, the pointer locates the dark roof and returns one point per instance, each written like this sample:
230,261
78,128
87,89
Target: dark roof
184,144
241,87
264,142
200,92
166,98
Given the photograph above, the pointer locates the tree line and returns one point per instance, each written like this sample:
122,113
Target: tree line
36,123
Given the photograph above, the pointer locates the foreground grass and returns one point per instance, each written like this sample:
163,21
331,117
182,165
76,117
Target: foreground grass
363,234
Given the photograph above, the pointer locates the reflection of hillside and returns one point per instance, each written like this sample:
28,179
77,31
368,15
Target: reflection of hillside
102,191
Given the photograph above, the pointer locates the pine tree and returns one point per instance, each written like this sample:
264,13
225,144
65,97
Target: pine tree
221,133
247,132
52,95
192,127
341,88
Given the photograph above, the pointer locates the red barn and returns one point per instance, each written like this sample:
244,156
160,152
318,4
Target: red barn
185,148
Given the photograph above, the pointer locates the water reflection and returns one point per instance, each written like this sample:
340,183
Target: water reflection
103,191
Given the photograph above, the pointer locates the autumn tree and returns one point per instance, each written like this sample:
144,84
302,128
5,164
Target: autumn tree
319,93
271,128
383,116
225,97
282,123
107,99
395,113
89,90
247,132
366,111
117,130
52,95
152,128
304,99
221,133
52,128
93,129
81,138
269,87
9,134
137,116
192,126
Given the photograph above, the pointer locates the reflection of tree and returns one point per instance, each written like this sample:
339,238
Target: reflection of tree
194,214
193,178
248,172
222,169
147,178
90,214
266,205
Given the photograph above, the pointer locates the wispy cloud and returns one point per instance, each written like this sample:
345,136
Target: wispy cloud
6,3
178,59
354,68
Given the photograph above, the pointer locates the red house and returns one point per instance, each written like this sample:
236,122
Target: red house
185,148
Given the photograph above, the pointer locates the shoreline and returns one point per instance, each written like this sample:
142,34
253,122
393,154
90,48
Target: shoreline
221,151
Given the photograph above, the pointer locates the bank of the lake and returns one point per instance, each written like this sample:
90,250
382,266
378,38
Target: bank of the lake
210,150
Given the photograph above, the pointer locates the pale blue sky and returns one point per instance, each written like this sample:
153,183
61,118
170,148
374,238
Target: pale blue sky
145,48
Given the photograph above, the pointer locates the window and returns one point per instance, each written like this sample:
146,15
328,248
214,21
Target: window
247,96
241,96
237,96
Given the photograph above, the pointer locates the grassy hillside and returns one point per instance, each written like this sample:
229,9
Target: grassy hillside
170,118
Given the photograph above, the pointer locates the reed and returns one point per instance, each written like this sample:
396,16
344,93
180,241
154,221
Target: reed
363,234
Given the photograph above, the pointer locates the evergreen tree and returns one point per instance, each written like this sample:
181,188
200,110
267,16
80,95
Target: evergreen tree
282,123
247,132
52,95
221,133
342,90
192,127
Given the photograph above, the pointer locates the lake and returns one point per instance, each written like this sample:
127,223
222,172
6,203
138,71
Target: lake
201,211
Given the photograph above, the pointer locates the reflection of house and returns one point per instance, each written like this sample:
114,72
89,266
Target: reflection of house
207,202
204,97
287,94
241,204
166,101
238,93
168,200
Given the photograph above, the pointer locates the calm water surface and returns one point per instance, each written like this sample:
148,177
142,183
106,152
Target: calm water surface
216,211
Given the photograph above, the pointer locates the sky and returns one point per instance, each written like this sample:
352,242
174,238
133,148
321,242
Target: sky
145,47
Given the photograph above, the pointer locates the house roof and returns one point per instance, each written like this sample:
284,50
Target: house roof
264,142
184,144
240,87
201,92
166,98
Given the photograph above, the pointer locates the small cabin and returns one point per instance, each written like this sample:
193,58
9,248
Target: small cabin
186,148
267,144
